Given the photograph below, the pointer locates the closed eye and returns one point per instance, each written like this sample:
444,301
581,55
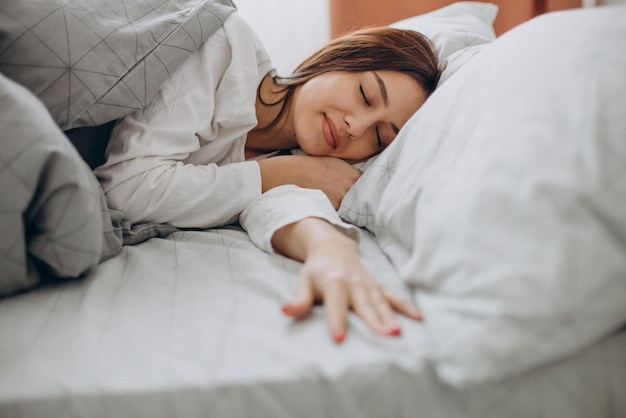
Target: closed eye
367,102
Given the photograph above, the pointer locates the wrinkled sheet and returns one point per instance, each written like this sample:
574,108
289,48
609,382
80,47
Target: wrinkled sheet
191,325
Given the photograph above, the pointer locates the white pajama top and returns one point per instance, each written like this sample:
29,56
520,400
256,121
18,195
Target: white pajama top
180,160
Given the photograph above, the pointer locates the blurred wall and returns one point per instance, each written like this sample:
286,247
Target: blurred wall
293,29
290,29
347,15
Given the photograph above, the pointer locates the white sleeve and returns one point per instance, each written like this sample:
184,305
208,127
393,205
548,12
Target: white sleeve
180,159
284,205
189,195
148,176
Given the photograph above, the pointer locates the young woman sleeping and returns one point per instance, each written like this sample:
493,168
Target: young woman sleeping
196,156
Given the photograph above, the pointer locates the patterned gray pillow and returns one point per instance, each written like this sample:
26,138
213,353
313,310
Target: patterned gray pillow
93,61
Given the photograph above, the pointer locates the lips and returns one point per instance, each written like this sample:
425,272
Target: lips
330,132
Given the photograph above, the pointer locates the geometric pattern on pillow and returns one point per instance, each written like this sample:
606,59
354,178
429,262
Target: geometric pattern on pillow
53,214
93,61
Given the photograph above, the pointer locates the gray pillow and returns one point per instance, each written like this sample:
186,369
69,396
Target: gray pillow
93,61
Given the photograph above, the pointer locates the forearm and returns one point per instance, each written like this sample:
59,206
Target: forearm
186,196
331,175
280,170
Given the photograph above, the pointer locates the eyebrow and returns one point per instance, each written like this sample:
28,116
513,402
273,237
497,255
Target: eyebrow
383,88
385,95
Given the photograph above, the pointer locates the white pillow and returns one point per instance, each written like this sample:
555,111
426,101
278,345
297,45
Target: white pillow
457,60
458,32
504,198
455,27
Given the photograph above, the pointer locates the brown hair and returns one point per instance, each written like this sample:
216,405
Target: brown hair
372,49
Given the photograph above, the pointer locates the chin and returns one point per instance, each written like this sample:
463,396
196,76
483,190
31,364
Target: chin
314,151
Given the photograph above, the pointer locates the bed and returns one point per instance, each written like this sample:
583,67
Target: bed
499,209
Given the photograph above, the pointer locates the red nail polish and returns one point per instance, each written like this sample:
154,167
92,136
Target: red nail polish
339,334
392,330
286,307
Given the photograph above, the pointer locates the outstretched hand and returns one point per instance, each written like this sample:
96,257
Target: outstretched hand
333,273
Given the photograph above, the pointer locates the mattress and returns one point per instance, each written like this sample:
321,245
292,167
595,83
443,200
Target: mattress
190,325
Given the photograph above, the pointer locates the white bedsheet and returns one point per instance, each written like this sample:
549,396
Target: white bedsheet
191,326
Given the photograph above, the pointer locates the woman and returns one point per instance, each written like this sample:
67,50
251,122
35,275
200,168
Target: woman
196,155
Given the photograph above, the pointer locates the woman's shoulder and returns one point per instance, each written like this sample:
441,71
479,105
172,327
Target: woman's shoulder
245,42
236,25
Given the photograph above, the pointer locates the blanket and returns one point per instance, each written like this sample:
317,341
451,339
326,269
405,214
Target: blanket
68,64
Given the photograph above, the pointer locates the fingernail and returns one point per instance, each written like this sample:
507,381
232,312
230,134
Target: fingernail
339,334
286,307
393,329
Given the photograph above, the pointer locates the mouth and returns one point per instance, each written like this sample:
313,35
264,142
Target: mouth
330,132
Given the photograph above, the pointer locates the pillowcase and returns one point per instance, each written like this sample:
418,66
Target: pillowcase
505,199
458,59
455,27
93,61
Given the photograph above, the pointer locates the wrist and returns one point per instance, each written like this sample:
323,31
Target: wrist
280,170
323,237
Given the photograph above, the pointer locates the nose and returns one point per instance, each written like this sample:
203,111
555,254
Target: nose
357,124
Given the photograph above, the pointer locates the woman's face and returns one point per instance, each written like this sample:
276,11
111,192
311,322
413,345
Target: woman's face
353,115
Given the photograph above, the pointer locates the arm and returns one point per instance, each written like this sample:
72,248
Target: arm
302,224
179,160
334,273
331,175
174,161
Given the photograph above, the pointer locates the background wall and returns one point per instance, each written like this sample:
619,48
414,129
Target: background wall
293,29
290,29
347,15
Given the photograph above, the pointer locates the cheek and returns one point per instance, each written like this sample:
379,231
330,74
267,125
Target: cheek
301,117
305,104
309,94
305,130
359,151
298,108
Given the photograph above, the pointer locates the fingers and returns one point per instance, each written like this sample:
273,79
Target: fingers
376,304
303,299
336,305
336,309
370,303
403,306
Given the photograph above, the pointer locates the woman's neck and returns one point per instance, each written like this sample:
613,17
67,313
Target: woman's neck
281,136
